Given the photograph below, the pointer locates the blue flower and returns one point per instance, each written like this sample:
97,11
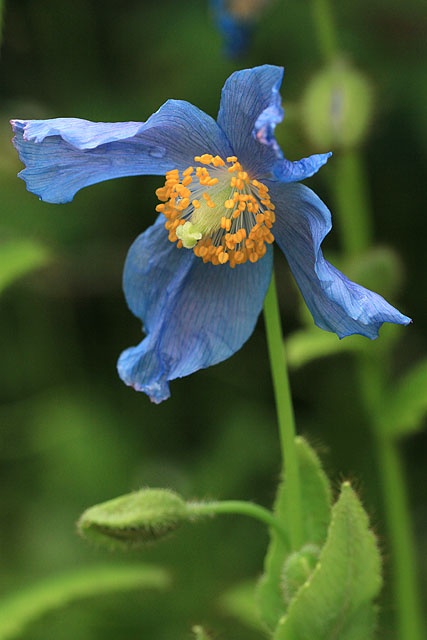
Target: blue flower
197,278
235,20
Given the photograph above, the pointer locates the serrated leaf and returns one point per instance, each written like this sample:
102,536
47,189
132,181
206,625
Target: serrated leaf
18,611
240,602
19,257
336,603
309,344
316,506
406,407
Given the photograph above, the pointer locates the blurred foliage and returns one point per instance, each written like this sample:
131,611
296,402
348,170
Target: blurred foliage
71,434
19,610
18,257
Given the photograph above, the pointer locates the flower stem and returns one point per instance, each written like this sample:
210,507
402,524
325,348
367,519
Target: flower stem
353,207
325,28
240,507
285,413
401,539
397,510
372,377
352,200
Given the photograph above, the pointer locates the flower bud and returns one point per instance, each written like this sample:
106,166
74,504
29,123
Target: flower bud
337,107
133,519
298,568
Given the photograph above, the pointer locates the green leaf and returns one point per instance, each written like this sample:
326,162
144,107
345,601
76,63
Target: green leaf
240,602
309,344
336,603
316,506
19,610
19,257
405,408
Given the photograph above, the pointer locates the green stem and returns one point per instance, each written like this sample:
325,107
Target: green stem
325,28
395,498
285,412
351,194
353,206
352,201
401,539
239,507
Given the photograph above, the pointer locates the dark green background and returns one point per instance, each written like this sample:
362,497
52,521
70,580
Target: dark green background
71,433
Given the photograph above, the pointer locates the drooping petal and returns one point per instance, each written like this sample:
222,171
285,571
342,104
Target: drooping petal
250,109
194,314
63,155
336,303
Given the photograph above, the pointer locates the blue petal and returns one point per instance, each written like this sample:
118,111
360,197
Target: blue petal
249,111
336,303
194,314
63,155
287,171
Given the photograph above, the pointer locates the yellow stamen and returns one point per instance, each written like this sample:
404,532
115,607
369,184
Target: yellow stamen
223,218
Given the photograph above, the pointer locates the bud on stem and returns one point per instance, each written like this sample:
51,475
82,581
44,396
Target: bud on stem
337,107
134,519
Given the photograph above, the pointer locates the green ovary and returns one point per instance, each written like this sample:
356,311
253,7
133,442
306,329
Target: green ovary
206,219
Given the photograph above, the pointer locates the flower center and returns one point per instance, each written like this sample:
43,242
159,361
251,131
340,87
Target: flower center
219,213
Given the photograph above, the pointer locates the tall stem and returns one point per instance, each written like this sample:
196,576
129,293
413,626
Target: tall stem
352,200
285,413
401,538
353,207
372,378
325,28
396,503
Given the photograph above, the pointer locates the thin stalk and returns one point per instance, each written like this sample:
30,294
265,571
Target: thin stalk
401,538
239,507
351,195
285,413
396,503
352,201
372,377
325,28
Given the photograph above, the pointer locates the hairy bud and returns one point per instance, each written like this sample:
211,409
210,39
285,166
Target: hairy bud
133,519
297,570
